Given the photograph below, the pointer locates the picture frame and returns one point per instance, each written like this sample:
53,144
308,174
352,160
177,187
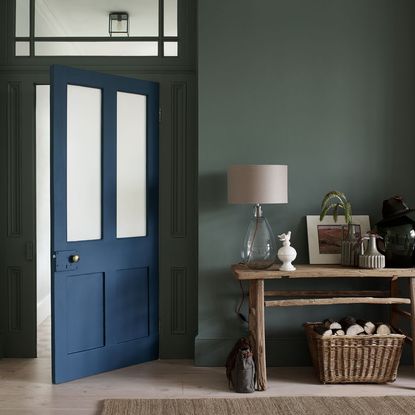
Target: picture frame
324,237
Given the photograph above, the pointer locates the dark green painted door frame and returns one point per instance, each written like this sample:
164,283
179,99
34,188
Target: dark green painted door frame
17,273
178,186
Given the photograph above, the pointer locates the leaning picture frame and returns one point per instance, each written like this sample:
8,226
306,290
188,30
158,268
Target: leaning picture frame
324,237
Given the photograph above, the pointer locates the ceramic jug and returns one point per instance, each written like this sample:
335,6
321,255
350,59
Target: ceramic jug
371,258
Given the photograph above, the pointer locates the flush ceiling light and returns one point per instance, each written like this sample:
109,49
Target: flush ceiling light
118,24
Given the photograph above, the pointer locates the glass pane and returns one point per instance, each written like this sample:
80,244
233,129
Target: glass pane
131,165
56,18
170,17
83,163
22,18
96,48
170,49
22,48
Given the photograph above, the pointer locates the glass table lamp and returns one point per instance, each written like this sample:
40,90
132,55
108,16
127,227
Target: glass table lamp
257,185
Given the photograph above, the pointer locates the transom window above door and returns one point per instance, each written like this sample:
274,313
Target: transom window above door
96,28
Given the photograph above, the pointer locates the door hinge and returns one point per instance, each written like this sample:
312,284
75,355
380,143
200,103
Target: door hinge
159,114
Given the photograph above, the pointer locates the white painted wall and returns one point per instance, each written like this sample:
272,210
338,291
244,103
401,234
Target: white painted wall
43,201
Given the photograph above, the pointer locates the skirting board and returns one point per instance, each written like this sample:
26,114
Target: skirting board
43,309
280,352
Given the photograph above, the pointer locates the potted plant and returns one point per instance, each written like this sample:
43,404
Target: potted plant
335,201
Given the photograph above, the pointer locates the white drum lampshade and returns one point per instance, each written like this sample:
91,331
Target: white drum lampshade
258,184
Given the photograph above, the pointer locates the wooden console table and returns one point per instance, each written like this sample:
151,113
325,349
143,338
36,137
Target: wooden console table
257,295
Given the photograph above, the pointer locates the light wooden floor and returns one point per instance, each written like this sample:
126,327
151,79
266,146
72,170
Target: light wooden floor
26,388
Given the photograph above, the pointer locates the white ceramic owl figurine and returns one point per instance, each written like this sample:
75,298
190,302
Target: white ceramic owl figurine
286,254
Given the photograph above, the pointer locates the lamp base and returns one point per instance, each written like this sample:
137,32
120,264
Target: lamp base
259,265
259,248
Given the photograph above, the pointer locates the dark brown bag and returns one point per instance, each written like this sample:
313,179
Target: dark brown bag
240,367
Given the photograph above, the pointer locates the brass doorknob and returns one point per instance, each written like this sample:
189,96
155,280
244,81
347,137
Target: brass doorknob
74,258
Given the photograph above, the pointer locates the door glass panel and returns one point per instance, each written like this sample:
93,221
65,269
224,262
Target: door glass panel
118,48
22,48
22,18
80,18
170,48
170,17
131,165
83,163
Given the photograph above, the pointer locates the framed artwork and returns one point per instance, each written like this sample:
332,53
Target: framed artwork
325,237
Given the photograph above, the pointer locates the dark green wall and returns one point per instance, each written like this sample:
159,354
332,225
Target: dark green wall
325,86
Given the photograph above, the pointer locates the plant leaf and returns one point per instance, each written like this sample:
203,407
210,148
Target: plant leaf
348,213
326,209
336,212
336,200
334,194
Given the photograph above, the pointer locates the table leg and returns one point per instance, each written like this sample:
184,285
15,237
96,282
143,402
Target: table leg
257,330
394,292
412,293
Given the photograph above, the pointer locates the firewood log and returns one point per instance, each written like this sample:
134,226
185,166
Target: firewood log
323,331
354,329
330,323
327,322
383,329
368,326
347,321
339,332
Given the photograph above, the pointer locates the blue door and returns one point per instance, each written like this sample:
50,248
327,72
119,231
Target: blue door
104,222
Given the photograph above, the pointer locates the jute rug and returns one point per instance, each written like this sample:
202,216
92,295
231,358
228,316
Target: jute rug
295,405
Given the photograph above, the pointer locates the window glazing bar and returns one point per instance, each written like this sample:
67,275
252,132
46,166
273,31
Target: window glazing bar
102,39
161,28
32,28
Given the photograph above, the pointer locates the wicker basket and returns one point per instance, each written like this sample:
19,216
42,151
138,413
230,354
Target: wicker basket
355,359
